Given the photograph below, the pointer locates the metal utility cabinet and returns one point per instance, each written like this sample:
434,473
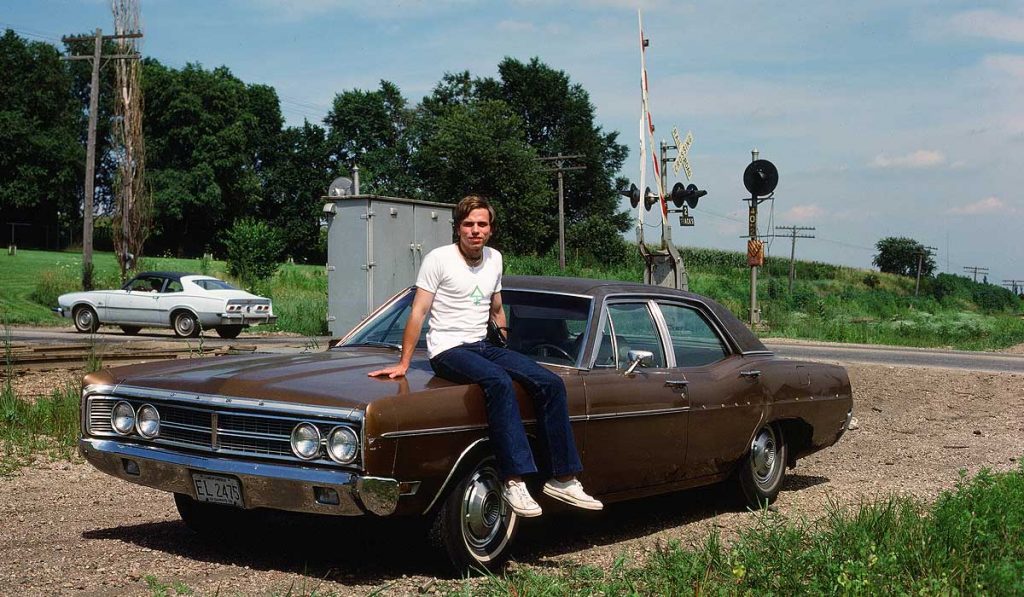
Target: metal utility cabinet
375,246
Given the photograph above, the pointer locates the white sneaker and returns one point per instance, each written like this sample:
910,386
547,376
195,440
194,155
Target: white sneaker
518,497
571,492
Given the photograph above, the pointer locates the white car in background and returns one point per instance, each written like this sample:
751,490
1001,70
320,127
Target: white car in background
186,303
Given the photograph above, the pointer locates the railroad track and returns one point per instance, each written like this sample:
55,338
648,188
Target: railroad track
21,355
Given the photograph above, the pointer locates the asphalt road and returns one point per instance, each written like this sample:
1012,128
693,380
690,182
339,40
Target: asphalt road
995,362
841,353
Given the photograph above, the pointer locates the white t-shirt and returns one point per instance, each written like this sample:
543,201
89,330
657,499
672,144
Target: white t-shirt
462,296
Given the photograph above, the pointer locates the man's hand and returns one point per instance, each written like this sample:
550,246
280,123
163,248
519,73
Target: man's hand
392,371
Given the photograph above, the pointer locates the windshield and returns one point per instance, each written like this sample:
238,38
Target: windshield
548,328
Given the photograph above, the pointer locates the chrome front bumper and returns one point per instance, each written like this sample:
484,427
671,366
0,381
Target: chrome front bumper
61,312
276,486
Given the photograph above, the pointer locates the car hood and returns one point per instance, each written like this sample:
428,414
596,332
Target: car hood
335,378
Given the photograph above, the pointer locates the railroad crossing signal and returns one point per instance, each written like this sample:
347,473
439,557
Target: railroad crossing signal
682,147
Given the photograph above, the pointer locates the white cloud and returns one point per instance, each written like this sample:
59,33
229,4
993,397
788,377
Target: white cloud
922,158
803,213
989,24
984,206
1005,64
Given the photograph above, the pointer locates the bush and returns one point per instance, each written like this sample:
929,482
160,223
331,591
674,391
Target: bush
52,283
872,280
253,251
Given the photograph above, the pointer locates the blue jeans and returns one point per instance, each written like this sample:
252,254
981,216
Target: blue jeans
494,369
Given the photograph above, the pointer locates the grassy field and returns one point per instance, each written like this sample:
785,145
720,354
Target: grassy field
827,302
968,542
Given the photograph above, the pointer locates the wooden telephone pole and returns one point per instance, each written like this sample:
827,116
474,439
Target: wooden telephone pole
97,57
792,252
560,167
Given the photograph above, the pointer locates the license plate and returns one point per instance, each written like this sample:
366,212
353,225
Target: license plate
218,490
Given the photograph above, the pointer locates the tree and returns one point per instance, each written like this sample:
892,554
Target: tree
371,129
296,181
41,159
899,255
210,139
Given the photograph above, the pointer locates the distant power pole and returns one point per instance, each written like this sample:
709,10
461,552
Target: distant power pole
920,259
792,252
90,153
560,167
974,269
1014,285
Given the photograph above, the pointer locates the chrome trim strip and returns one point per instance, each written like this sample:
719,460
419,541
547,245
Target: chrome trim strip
236,402
451,473
436,431
638,413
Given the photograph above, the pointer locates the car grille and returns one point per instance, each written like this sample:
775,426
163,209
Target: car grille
216,429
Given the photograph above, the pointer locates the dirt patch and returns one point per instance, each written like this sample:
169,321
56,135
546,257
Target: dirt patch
68,529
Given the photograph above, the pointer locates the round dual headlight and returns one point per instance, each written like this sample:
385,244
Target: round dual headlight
148,421
122,418
306,441
342,445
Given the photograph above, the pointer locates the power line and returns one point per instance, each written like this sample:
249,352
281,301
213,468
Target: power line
974,269
30,33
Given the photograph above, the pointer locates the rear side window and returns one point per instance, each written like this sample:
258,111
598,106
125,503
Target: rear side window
694,341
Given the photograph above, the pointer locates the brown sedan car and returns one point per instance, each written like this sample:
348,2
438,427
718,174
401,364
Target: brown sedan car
667,390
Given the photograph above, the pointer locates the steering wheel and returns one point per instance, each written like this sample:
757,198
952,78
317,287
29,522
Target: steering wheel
545,349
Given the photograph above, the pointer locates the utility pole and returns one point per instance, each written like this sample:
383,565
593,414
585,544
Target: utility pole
560,167
974,269
920,259
90,152
1015,286
792,252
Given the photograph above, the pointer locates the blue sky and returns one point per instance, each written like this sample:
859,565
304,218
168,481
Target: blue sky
884,118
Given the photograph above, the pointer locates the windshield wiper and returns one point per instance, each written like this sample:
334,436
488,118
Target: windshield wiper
376,344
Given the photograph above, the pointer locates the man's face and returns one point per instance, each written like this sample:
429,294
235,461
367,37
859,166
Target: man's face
475,230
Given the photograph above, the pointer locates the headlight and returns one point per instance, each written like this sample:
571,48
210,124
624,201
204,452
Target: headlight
122,418
342,445
148,423
306,441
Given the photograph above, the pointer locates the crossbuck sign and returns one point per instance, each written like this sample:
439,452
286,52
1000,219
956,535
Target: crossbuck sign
683,147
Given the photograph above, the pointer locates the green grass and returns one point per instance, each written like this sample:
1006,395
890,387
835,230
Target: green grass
967,542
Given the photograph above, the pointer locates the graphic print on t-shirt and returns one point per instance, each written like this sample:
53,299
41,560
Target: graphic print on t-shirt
477,295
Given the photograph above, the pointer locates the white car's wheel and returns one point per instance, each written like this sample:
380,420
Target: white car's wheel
86,320
185,324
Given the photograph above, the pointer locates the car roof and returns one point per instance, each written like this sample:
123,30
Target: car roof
745,339
171,275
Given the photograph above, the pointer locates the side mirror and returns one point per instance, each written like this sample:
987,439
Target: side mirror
638,358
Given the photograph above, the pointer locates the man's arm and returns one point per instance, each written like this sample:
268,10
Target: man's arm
420,307
498,314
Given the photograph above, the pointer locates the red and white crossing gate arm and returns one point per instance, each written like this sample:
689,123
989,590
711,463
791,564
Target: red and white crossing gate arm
650,127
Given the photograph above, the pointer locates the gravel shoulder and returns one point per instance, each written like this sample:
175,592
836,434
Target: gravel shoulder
68,529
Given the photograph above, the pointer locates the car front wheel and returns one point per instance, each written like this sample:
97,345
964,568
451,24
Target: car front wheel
185,325
86,320
229,331
761,473
474,524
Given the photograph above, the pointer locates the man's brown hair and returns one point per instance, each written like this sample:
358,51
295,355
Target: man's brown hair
468,204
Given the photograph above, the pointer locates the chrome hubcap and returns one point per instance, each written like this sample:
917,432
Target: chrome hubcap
84,318
763,455
485,516
185,325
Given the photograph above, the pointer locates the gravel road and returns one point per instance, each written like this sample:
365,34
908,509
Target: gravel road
67,529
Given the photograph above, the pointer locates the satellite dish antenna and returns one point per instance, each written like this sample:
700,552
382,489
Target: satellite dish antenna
340,187
761,178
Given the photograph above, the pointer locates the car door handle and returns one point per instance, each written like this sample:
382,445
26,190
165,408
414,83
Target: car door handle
751,373
676,383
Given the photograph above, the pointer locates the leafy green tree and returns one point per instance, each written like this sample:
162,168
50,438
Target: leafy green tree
478,148
899,255
210,140
253,251
371,129
41,159
296,182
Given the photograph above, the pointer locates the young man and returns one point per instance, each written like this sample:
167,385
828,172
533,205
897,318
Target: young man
459,285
